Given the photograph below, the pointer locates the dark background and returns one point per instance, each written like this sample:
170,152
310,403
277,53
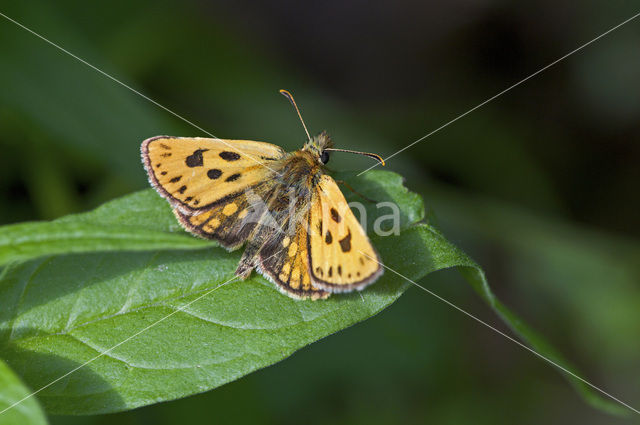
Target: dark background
540,186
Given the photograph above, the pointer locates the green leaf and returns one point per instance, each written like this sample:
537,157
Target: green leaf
59,311
141,221
12,390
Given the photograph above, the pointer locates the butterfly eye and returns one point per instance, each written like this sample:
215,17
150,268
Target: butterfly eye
324,158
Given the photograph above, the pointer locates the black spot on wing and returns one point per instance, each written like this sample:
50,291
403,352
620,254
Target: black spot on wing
233,177
229,156
214,173
183,188
335,216
345,243
175,179
164,173
328,238
195,159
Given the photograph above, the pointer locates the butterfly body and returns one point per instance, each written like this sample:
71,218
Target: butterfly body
298,229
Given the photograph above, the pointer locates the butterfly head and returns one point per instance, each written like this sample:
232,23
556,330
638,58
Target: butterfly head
319,145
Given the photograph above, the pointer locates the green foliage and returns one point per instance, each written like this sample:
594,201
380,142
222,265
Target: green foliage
28,412
138,226
94,280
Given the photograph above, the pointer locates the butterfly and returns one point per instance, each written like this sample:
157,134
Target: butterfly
298,228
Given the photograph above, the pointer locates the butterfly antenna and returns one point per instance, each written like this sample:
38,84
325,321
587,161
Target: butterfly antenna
370,155
293,102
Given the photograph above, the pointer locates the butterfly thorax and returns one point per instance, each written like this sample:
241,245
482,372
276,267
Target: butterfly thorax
301,170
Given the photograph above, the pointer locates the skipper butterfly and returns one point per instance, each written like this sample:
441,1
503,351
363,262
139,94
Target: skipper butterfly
299,230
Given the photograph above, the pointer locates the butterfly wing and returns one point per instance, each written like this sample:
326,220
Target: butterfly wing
233,221
195,174
284,259
341,257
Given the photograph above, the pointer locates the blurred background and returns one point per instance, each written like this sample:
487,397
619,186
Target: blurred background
540,186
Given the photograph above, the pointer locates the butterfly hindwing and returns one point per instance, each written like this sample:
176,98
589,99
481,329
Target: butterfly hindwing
341,256
285,261
232,221
196,174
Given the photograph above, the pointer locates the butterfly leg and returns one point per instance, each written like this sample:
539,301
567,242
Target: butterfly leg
248,261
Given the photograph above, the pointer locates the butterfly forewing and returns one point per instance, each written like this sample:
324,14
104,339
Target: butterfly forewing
196,173
340,254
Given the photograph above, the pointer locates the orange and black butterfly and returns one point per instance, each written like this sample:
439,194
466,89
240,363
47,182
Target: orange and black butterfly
298,228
